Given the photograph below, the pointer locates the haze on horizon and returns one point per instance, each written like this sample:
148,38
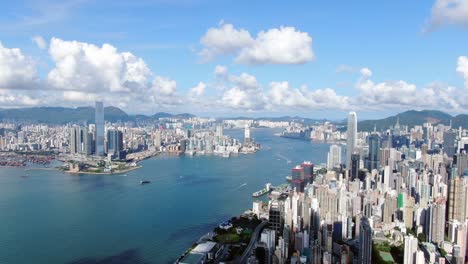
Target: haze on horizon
316,60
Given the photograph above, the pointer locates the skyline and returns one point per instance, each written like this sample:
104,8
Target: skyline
205,57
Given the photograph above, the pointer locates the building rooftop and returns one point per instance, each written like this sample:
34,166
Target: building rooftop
192,258
204,248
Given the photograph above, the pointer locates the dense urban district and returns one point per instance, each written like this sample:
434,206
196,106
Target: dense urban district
392,195
399,195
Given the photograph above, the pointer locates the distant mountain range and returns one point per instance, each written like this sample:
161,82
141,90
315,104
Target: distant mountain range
413,118
62,115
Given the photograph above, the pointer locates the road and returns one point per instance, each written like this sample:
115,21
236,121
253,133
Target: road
253,240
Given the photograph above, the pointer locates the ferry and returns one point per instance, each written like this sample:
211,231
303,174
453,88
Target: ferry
263,191
144,182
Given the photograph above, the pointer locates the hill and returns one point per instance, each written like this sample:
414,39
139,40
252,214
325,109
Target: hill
62,115
413,118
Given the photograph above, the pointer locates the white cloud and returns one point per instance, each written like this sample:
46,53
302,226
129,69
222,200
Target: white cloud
223,40
449,12
283,95
86,67
278,46
40,42
284,45
220,70
163,92
16,70
198,90
462,68
240,92
10,98
345,68
82,97
164,86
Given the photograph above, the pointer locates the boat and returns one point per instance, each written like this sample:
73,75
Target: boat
144,182
289,178
263,191
226,154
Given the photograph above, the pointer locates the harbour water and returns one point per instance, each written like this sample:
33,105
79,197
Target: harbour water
52,217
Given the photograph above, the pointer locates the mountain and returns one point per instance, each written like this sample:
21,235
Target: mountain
413,118
61,115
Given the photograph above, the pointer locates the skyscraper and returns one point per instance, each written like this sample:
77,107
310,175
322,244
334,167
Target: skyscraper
334,156
365,242
373,161
411,247
351,136
99,119
114,141
247,134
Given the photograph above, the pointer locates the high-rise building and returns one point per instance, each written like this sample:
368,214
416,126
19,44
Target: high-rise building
114,141
99,119
435,221
354,167
74,139
351,137
458,199
411,247
449,142
334,156
157,139
247,134
365,242
373,161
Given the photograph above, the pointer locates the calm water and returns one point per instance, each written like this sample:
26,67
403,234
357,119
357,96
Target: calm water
51,217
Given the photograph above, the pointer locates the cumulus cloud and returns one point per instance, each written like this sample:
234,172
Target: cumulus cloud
449,12
462,68
16,70
284,45
283,95
10,98
220,70
40,42
278,46
87,67
198,90
240,91
163,92
223,40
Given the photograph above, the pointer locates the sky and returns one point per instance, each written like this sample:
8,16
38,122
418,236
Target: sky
317,59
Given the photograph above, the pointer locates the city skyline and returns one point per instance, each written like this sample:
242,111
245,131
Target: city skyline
227,60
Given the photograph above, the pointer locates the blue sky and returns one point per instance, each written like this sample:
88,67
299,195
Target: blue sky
412,49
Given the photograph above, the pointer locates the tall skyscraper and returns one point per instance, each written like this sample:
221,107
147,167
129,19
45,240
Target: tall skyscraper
373,161
365,242
351,136
247,134
334,156
74,143
114,141
99,119
411,247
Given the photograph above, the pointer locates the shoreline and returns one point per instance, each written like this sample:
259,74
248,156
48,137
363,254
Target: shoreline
103,173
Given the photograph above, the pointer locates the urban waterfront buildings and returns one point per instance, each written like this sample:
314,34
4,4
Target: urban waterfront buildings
351,137
99,121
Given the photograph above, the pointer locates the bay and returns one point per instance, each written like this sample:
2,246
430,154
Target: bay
52,217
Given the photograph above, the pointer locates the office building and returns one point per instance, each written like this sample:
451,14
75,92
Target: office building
351,137
373,161
99,119
365,242
334,157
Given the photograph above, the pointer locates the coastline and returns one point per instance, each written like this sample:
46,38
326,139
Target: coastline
103,173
